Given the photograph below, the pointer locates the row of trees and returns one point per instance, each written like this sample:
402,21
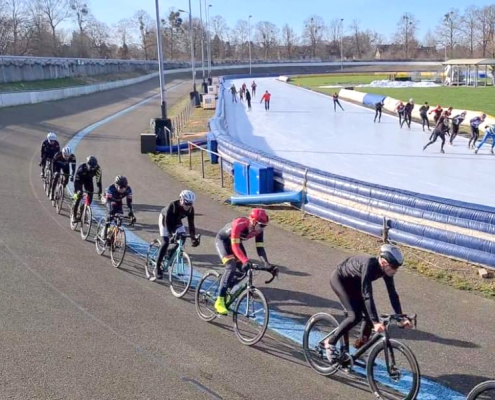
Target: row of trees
67,28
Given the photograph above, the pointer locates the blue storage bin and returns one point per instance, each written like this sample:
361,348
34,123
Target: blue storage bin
260,178
212,145
241,177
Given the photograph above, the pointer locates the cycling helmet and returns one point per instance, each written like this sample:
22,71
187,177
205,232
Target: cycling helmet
121,181
187,197
392,254
259,215
66,152
92,162
51,137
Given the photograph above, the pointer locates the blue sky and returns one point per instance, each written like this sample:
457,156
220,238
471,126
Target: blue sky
381,16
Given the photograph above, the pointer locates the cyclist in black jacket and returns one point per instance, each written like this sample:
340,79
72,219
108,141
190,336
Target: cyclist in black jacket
352,283
170,222
84,179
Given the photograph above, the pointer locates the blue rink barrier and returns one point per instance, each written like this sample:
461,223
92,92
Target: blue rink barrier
453,228
370,99
269,198
182,146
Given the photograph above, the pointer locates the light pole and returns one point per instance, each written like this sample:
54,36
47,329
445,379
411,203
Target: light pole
406,39
193,69
160,62
249,42
341,44
209,39
202,39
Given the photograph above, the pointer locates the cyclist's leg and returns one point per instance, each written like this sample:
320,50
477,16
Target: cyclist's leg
163,248
56,175
88,185
225,253
78,187
66,172
112,209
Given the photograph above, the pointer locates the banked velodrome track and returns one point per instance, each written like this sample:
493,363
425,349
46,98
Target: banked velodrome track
74,327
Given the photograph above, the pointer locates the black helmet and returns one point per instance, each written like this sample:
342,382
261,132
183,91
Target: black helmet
121,181
92,162
392,254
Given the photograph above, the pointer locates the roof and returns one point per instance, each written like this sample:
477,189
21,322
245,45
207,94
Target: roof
470,61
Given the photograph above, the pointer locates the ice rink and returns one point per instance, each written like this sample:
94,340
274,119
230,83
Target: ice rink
302,126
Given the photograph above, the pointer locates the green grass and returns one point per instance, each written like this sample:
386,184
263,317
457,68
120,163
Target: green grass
314,82
64,82
467,98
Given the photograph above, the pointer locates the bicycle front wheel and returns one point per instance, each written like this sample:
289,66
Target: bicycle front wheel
483,391
206,294
86,222
151,256
59,198
180,274
318,328
251,316
72,221
48,182
99,243
118,247
393,372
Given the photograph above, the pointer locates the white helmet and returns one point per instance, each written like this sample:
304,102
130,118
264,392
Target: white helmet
66,152
51,137
186,196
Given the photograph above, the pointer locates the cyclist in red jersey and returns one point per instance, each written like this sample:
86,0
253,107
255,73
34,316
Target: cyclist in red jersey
228,243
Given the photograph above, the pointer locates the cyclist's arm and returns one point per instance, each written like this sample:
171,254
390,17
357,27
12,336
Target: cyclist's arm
260,248
392,294
73,166
171,218
190,222
98,179
235,240
367,292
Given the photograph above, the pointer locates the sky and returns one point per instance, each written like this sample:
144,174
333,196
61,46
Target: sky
378,15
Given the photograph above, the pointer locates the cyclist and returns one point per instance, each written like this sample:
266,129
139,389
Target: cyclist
170,222
63,161
114,197
49,148
352,283
228,243
84,178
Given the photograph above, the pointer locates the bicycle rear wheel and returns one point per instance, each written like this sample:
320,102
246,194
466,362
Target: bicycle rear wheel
483,391
59,198
118,247
99,243
180,274
86,222
206,294
317,329
73,223
150,266
251,316
393,374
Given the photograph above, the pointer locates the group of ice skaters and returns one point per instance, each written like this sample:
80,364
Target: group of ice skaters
444,124
244,94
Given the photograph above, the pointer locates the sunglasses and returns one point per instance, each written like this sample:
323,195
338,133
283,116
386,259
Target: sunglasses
262,226
187,204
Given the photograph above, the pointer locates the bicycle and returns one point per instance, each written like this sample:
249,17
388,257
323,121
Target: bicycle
84,215
47,179
483,391
378,373
180,269
59,192
116,238
240,300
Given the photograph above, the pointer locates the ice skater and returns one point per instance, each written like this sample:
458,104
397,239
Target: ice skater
400,112
439,132
437,112
253,89
233,90
456,123
408,108
378,110
489,134
266,98
336,101
475,123
423,112
248,99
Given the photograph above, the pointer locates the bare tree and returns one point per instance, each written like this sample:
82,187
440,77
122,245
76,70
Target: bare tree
406,33
469,22
99,35
357,37
144,24
485,28
219,26
173,27
266,36
54,12
80,13
289,39
449,29
314,29
241,32
17,13
333,30
123,36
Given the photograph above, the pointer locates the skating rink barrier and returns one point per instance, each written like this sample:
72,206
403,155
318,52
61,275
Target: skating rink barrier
453,228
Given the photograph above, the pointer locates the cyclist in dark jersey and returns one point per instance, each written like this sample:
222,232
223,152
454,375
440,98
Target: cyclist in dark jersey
228,243
83,178
170,222
352,283
64,161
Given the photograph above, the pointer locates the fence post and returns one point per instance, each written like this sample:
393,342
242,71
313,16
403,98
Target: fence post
386,228
221,172
190,155
304,189
202,164
178,148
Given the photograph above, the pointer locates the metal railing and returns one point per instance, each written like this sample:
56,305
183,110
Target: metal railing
180,121
192,145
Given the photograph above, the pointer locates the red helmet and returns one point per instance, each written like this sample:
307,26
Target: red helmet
259,215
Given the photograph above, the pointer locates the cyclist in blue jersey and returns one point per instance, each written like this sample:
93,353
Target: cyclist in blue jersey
489,134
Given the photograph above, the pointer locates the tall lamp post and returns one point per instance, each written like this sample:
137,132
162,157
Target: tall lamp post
342,44
202,39
160,62
249,41
193,69
208,37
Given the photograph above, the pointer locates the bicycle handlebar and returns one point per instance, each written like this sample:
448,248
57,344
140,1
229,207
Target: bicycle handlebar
122,216
272,270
